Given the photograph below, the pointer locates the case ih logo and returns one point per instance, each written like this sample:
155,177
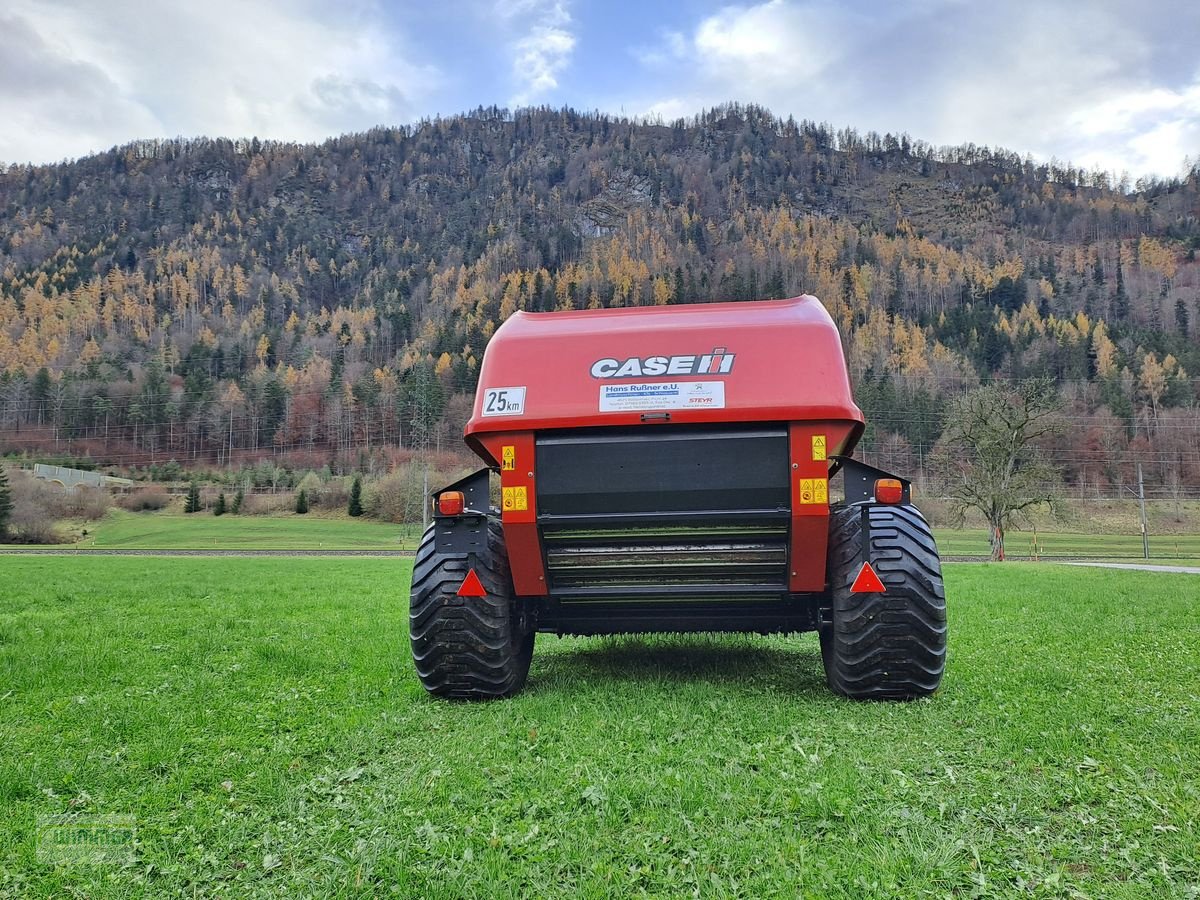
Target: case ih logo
719,362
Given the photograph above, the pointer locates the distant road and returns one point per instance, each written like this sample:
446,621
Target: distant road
67,551
1141,567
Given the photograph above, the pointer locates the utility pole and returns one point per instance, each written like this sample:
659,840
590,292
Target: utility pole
425,494
1142,504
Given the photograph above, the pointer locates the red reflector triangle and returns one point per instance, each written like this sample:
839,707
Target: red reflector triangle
472,586
867,581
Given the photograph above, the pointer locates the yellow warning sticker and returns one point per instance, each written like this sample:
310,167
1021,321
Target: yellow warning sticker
818,446
515,499
509,457
814,490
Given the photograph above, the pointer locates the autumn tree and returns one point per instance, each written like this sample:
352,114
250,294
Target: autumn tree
990,459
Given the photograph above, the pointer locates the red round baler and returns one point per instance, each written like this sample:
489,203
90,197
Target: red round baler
668,469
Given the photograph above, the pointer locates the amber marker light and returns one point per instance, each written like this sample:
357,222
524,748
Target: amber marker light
889,490
451,503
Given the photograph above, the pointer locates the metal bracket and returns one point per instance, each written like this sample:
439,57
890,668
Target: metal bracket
859,480
476,490
864,537
467,532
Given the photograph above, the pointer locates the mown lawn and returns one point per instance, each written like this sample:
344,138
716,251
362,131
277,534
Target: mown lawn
260,721
203,531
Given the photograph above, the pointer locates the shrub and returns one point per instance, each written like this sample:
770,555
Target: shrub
311,484
333,495
400,496
86,503
266,504
32,518
150,497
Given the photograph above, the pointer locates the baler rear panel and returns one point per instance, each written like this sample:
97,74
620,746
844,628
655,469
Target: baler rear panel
705,479
669,512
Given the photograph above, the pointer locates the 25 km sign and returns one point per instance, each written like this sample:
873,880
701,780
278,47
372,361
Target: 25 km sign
505,401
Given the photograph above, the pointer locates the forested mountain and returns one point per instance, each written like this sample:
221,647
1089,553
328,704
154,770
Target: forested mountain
193,299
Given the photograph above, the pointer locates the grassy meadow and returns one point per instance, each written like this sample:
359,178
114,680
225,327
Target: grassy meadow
173,530
260,722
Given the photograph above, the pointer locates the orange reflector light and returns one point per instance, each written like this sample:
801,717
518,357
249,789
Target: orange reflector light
451,503
867,581
889,490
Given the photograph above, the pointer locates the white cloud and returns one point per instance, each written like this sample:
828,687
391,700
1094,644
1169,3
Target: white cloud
1114,86
1151,130
54,105
773,43
543,48
93,75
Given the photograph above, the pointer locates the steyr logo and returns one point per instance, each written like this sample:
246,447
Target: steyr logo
719,362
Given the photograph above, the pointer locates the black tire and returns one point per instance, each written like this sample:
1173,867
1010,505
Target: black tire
467,648
889,646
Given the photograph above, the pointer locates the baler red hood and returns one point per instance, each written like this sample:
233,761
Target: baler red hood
761,361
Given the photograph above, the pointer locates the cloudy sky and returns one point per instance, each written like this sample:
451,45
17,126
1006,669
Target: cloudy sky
1103,83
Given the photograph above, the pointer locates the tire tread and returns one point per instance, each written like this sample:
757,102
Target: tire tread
889,646
467,648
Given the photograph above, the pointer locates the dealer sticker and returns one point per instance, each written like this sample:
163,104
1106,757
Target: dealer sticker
662,395
505,401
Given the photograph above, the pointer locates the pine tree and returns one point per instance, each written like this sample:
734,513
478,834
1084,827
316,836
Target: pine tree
220,509
356,507
1120,307
6,504
301,503
40,392
192,504
238,499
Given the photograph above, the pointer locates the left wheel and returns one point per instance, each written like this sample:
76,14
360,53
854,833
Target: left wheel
467,648
889,645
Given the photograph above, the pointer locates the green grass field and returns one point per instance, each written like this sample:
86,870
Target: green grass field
261,723
121,530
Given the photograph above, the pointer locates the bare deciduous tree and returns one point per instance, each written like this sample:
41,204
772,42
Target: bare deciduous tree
989,458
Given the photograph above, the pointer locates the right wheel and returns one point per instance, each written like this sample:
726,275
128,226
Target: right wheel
890,645
467,648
